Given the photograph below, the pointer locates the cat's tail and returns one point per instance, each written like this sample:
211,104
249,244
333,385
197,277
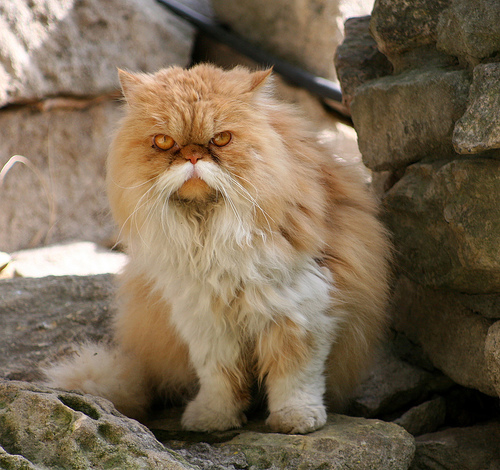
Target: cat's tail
105,371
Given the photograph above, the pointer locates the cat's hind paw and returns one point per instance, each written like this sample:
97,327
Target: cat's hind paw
292,420
203,419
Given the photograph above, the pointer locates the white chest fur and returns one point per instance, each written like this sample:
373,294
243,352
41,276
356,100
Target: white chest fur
210,268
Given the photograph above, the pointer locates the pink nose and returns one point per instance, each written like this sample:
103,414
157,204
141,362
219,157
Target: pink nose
193,159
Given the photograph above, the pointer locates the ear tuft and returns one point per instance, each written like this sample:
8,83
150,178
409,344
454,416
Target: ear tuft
259,78
128,82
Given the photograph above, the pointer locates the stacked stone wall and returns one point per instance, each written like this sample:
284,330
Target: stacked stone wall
425,101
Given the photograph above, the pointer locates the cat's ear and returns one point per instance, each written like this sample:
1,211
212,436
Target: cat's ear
129,83
259,79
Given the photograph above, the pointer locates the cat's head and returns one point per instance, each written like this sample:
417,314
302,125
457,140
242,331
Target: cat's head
198,136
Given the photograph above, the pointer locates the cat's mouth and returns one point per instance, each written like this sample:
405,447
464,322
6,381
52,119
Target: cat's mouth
194,187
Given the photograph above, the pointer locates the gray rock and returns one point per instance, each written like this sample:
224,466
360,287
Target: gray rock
55,429
424,418
471,448
399,26
444,217
471,33
393,384
71,258
405,118
40,319
357,60
492,354
345,442
63,152
479,128
452,336
305,33
55,47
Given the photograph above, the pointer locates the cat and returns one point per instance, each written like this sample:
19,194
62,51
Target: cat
255,255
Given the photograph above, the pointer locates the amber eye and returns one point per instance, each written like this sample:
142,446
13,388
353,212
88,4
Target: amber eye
222,139
163,142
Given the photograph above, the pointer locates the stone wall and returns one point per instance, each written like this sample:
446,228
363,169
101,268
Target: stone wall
424,94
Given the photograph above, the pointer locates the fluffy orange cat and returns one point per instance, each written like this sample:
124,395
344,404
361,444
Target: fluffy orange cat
254,255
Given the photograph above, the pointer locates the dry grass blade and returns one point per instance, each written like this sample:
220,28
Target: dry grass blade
42,233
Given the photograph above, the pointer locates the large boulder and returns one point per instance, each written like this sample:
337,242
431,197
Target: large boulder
444,217
405,118
72,48
453,336
402,26
58,61
472,34
54,429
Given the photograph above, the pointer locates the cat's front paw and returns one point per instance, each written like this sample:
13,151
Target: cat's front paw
293,420
198,417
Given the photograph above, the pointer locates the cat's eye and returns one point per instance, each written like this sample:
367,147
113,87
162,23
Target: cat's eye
221,139
163,142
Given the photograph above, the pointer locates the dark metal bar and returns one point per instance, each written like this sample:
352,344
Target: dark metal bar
317,85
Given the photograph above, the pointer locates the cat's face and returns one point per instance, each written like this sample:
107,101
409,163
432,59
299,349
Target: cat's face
191,135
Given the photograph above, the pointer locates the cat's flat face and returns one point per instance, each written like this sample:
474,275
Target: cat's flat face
192,133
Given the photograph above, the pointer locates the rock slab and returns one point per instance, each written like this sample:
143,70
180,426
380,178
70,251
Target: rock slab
470,448
445,221
405,118
41,318
52,429
345,442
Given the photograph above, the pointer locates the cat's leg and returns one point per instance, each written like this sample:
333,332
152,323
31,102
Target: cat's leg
292,361
224,387
144,329
147,355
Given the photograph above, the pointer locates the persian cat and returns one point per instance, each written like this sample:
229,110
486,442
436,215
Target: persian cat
255,257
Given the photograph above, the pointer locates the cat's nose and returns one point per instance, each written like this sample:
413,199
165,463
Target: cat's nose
193,158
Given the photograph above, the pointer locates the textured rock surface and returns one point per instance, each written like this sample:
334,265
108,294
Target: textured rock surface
398,26
424,418
357,59
68,47
479,128
71,258
393,384
444,217
41,318
492,354
65,149
471,448
54,429
472,34
345,442
304,32
404,118
452,336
